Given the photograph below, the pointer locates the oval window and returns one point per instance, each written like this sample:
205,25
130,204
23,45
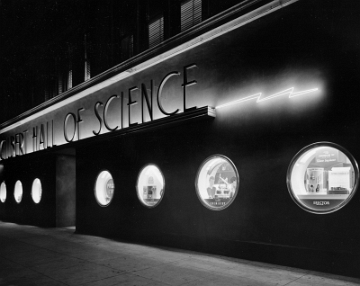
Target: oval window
36,191
3,192
217,182
104,188
322,177
150,186
18,191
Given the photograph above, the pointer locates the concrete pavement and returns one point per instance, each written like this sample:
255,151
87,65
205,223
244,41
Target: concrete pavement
36,256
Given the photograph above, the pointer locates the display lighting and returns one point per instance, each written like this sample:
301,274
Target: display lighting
257,96
3,192
36,191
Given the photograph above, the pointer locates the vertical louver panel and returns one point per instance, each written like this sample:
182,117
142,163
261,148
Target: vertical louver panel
127,47
191,13
69,81
156,31
87,74
70,70
60,83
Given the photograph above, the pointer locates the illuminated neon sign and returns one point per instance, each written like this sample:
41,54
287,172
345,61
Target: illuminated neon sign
257,96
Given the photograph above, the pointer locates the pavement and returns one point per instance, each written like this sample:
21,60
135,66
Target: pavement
32,255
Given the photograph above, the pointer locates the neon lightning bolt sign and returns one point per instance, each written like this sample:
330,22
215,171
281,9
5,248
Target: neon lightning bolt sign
257,96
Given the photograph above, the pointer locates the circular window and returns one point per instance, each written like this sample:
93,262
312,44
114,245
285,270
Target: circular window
217,182
3,192
150,186
104,188
322,177
36,191
18,191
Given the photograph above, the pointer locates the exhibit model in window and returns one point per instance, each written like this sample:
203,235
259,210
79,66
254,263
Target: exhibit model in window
322,177
150,186
217,182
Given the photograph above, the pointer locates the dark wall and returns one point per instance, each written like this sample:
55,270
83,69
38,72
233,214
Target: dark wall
65,190
263,223
27,170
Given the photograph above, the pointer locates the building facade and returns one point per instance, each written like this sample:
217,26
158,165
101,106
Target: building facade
225,128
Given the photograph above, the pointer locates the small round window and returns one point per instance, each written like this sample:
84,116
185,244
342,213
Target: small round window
18,191
36,191
217,182
150,186
3,192
104,188
322,177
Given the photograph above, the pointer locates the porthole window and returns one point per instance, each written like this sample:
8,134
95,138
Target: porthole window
104,188
150,186
36,191
18,192
322,177
217,182
3,192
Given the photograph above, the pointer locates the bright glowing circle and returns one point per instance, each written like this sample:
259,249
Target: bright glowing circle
3,192
104,188
36,191
322,178
18,192
217,182
150,186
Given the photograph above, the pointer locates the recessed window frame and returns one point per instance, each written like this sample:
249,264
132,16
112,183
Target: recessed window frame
3,188
95,194
197,179
137,186
32,191
22,191
313,146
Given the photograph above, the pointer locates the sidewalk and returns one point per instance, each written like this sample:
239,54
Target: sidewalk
36,256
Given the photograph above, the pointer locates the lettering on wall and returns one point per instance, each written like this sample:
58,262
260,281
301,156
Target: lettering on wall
42,136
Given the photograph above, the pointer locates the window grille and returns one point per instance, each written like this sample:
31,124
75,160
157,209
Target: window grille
60,83
87,72
156,31
190,13
127,47
69,80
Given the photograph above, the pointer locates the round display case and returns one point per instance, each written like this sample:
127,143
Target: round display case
217,182
322,177
104,188
3,192
36,191
18,192
150,186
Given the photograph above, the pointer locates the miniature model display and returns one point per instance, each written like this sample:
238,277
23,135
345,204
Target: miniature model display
150,186
217,182
322,178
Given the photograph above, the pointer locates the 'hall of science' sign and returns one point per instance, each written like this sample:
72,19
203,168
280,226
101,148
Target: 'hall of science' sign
43,135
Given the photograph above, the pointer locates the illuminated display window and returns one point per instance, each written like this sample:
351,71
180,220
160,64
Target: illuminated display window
322,177
36,191
217,182
104,188
150,186
18,192
3,192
